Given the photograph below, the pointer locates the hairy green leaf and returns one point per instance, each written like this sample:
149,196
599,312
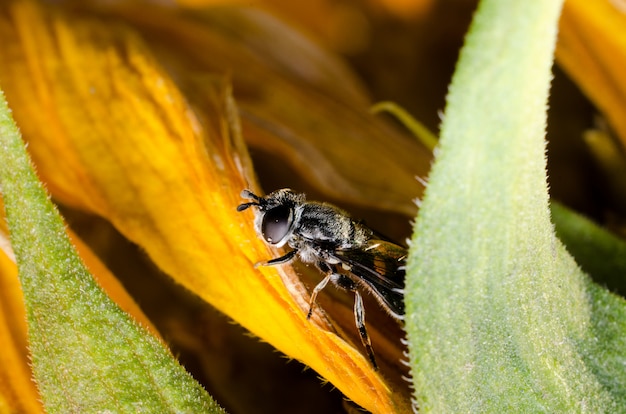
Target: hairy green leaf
499,316
87,355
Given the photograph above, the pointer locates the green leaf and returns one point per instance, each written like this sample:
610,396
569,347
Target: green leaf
87,354
499,316
598,252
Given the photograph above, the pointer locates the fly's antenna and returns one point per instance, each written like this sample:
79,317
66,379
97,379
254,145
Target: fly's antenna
249,195
242,207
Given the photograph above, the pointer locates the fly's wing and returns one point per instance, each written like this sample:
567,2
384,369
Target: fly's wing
380,265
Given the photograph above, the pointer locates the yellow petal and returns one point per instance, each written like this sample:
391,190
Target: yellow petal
111,133
592,50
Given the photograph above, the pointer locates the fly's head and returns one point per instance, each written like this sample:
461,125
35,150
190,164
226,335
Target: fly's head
278,214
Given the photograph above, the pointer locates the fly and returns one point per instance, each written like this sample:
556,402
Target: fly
344,250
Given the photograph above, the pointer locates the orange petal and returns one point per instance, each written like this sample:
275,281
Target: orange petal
592,50
111,133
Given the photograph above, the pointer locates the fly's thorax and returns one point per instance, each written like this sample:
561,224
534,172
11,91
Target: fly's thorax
328,225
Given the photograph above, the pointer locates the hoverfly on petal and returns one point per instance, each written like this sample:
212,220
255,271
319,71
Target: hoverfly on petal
344,250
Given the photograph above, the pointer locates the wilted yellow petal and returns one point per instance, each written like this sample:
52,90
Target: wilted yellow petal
110,133
299,105
592,50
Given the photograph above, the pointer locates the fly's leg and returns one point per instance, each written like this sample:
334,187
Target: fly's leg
321,285
344,282
359,317
331,274
279,260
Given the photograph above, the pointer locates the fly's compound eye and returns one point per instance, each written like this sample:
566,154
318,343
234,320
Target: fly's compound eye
276,224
